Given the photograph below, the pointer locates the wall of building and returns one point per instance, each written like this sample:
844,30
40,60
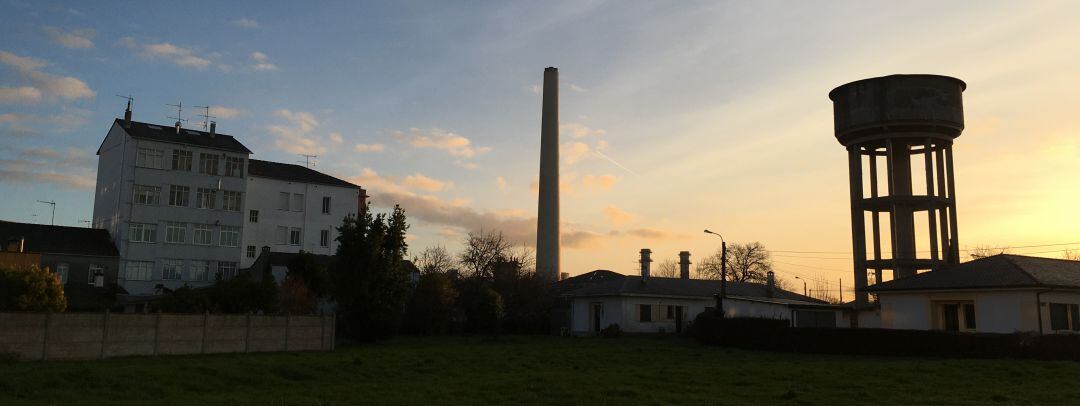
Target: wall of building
263,195
42,336
79,267
1046,298
116,156
623,310
995,311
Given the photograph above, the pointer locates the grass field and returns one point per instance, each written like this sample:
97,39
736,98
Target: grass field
530,370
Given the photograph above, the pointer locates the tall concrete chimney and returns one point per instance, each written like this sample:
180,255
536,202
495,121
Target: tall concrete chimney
547,219
684,264
645,261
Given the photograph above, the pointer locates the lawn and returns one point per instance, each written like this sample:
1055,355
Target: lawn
530,370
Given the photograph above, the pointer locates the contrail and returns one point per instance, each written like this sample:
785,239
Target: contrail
616,163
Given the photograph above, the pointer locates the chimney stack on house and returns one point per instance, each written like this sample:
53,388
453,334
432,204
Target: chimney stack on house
178,127
645,260
684,264
127,115
213,129
770,283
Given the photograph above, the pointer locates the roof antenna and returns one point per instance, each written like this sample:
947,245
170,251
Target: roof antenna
179,114
127,113
308,159
206,117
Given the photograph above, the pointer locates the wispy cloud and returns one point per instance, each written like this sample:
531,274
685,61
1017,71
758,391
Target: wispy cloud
71,168
225,112
599,182
369,148
261,62
500,182
617,216
445,141
47,84
296,137
180,56
421,182
245,22
74,39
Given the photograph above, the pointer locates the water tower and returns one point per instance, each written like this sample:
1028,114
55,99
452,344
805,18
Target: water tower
899,132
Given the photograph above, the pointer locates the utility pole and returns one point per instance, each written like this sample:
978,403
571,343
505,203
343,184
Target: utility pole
52,220
841,290
308,159
723,273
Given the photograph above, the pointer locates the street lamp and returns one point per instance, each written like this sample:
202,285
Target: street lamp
52,219
723,272
803,286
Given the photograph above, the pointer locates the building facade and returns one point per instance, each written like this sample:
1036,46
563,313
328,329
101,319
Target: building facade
173,201
292,208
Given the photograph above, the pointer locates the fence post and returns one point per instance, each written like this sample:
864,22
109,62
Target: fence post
45,337
206,315
333,331
157,331
322,332
247,332
287,331
104,334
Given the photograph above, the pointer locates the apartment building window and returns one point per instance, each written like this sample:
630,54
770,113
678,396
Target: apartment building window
282,235
226,270
146,194
326,205
200,271
138,270
62,272
251,251
1064,317
205,198
253,216
208,163
175,232
142,232
230,200
204,234
172,269
230,236
181,160
93,274
324,238
294,236
234,166
297,202
283,201
179,195
150,158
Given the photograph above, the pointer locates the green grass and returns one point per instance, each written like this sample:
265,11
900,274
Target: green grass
530,370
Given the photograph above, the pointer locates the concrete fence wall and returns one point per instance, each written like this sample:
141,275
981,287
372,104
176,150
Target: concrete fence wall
44,336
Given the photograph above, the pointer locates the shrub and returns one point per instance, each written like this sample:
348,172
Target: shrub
611,331
30,288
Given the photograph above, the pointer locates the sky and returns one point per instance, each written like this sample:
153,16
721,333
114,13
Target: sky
675,116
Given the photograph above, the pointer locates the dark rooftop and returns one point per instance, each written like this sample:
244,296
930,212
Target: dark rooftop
994,272
167,133
632,285
48,239
293,173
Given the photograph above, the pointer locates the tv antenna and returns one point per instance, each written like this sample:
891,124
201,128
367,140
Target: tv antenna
206,117
179,111
308,159
52,220
129,99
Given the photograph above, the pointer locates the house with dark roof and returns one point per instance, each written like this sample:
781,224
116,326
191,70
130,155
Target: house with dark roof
996,294
172,199
292,208
649,304
85,260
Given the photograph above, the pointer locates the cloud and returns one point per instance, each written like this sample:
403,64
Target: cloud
225,112
336,138
245,22
452,144
578,130
651,234
581,239
369,147
599,182
261,62
500,182
55,86
574,151
577,88
72,168
183,57
74,39
616,216
421,182
296,137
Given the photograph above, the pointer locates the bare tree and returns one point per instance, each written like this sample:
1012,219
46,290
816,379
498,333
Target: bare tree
745,263
434,259
1071,255
983,251
482,251
666,269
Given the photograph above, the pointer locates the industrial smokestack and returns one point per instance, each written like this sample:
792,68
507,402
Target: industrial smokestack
547,219
645,260
684,264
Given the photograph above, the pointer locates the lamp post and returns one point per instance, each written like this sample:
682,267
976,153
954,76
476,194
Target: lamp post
52,219
723,272
803,285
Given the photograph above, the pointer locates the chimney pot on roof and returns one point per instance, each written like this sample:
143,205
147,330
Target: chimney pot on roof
770,282
213,129
684,264
645,260
127,115
177,127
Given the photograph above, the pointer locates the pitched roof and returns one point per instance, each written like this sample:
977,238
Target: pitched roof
187,136
293,173
657,286
994,272
48,239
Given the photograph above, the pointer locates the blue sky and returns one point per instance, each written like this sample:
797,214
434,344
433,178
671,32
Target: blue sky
676,116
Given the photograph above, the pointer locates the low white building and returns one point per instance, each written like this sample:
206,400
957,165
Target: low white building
997,294
290,208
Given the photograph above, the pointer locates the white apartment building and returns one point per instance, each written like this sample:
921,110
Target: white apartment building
292,208
173,201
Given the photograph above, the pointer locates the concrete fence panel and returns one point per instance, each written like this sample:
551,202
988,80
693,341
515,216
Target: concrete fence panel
44,336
